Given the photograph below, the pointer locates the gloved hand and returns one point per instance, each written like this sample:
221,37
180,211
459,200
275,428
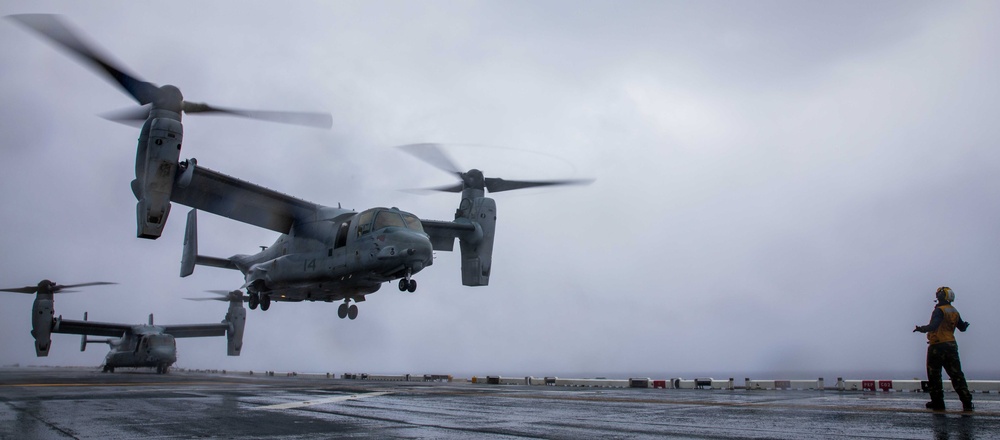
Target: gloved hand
916,328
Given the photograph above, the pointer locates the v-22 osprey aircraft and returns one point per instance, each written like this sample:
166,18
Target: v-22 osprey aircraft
132,345
324,253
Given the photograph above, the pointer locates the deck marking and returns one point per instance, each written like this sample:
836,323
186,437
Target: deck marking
291,405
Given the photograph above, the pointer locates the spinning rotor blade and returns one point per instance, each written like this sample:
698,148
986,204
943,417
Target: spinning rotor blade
46,286
456,188
309,119
166,97
28,289
434,155
494,184
224,295
96,283
132,116
54,29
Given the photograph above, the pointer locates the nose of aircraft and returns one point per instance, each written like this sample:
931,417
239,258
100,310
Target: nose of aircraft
411,248
164,354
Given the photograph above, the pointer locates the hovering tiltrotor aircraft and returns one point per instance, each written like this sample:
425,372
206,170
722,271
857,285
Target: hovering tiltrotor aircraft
132,346
324,253
333,254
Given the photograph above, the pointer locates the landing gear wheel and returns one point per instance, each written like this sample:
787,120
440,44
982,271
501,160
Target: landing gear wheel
342,311
254,300
407,285
352,311
265,302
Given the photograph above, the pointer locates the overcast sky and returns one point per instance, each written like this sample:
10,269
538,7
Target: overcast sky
781,185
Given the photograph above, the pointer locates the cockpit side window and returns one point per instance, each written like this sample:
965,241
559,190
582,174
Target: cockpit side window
412,222
342,232
365,222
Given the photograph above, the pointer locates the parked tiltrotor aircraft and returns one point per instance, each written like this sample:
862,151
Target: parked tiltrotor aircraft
132,345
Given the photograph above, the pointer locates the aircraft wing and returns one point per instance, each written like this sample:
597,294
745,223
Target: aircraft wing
90,328
443,234
196,330
212,191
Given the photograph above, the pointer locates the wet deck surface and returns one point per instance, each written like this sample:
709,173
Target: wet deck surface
58,403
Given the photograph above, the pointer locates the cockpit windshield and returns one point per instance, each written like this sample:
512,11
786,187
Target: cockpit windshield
380,218
385,219
160,341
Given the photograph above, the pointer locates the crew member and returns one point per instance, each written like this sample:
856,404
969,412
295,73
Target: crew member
942,351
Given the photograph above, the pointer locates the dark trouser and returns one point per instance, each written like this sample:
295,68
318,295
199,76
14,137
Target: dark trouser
945,354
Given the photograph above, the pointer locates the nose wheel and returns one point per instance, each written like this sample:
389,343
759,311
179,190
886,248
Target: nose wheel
347,310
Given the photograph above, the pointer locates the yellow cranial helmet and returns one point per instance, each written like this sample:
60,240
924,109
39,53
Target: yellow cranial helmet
946,294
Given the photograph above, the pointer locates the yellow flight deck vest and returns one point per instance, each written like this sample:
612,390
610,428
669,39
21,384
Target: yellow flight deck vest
946,331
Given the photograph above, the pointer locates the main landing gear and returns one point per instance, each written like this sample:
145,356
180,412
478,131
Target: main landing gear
407,284
347,310
263,300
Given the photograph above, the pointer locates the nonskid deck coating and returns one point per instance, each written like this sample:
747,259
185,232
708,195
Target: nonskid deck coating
57,403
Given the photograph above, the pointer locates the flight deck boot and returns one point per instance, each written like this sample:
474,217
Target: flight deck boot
967,405
965,396
936,403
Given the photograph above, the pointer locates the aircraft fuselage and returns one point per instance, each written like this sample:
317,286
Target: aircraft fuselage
345,257
142,351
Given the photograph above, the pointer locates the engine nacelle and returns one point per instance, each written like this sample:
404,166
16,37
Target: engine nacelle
477,248
42,316
237,319
155,175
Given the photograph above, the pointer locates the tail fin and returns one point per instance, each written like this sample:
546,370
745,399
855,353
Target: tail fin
190,257
83,338
84,341
190,254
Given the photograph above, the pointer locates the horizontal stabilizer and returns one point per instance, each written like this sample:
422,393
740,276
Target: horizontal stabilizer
224,263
